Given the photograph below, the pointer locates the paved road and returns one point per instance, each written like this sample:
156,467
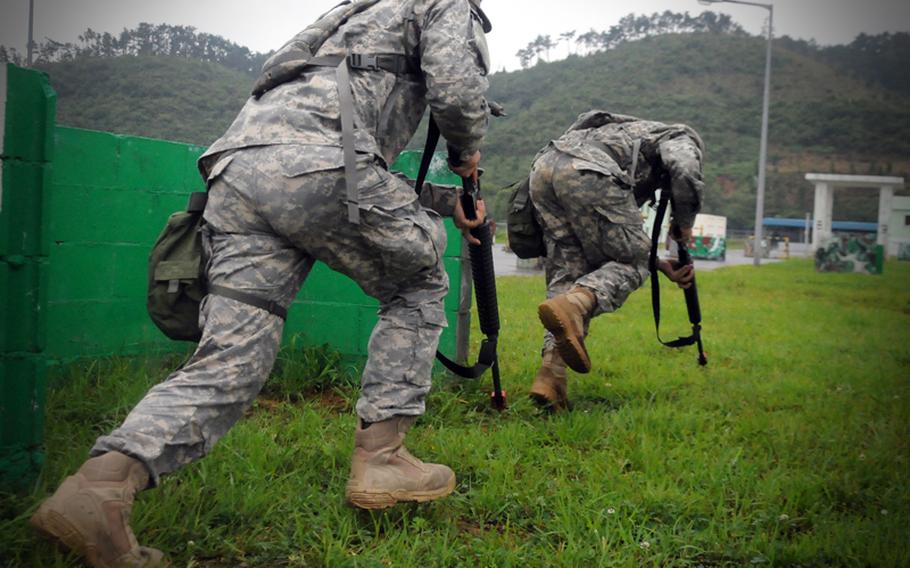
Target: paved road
507,264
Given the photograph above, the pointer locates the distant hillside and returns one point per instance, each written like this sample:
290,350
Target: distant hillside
160,97
821,118
844,110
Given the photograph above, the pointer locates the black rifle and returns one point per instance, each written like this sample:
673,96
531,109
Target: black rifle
691,293
482,274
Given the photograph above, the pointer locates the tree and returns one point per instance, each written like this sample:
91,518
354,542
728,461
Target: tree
567,37
524,57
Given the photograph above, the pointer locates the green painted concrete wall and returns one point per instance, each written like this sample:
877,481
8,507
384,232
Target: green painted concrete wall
110,197
27,112
80,211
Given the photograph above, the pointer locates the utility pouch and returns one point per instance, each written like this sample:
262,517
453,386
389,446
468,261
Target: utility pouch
176,277
176,281
525,233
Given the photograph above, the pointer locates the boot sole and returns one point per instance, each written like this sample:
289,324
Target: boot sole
571,348
53,527
384,500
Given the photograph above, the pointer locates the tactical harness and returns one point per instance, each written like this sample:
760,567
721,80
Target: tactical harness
390,63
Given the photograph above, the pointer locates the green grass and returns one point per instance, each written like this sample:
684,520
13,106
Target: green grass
790,448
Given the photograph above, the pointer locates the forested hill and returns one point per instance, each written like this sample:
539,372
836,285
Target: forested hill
844,109
824,116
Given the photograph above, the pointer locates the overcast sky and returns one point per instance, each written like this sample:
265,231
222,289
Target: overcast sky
266,24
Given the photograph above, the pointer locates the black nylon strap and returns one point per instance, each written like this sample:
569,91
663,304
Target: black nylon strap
485,359
655,282
272,307
429,148
197,202
389,62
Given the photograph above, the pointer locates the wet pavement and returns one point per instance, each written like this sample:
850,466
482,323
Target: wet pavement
507,264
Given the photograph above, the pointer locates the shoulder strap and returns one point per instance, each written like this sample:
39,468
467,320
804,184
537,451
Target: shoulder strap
636,148
343,66
429,148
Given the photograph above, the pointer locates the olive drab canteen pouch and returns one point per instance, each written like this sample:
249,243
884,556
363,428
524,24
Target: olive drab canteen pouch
177,282
525,233
176,273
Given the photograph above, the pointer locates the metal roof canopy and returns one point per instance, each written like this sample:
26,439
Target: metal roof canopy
787,223
824,201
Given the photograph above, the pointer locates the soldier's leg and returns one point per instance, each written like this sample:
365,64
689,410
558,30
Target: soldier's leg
566,313
181,419
395,255
608,226
563,264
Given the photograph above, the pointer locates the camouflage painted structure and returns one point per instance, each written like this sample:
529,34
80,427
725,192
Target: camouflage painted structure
825,184
850,253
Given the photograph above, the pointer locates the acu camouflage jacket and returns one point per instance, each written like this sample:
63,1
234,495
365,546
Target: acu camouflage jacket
447,38
603,142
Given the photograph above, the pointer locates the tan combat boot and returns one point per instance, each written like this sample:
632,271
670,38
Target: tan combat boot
565,317
90,513
549,388
383,472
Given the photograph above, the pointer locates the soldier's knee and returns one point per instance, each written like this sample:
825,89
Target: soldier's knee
408,242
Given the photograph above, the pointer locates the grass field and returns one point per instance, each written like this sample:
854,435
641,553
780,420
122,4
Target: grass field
790,448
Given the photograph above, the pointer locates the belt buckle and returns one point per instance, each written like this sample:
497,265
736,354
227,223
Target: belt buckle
365,62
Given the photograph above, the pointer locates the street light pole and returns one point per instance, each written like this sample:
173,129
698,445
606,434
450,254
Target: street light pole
31,27
763,151
763,147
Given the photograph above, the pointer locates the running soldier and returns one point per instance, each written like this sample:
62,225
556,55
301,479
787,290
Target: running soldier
587,188
302,175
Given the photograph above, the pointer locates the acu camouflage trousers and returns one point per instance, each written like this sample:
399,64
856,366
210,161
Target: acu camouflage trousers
592,231
269,219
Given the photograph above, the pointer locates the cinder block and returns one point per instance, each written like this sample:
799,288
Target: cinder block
23,297
31,106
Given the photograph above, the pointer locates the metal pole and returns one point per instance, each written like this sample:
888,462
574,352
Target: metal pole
31,37
763,152
806,229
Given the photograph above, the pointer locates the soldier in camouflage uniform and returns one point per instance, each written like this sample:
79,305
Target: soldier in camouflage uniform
278,203
587,188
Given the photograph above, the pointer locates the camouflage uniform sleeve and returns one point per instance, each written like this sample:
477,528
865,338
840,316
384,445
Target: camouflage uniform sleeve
682,156
439,198
453,60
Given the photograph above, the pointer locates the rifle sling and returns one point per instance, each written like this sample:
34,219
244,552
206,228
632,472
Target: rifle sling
655,282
